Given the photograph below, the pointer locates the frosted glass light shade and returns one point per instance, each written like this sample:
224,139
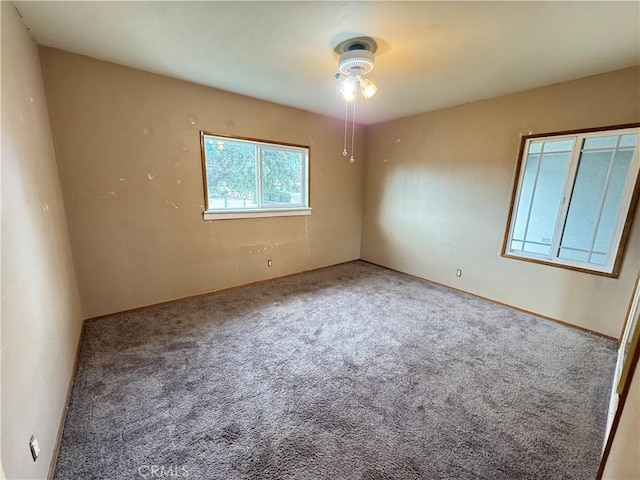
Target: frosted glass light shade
368,88
348,89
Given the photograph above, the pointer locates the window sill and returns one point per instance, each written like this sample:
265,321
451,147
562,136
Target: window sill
276,212
569,266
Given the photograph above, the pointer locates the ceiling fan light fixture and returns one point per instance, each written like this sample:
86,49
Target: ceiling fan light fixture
356,60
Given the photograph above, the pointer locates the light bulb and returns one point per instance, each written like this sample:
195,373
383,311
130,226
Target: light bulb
368,88
349,97
348,89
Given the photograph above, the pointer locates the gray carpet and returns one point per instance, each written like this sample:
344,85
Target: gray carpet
350,372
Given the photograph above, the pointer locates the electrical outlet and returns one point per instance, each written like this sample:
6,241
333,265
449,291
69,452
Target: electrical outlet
269,263
458,273
33,446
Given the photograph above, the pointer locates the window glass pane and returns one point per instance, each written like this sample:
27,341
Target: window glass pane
598,259
281,177
577,255
628,140
535,147
546,202
526,194
558,146
584,206
536,248
231,174
617,182
600,142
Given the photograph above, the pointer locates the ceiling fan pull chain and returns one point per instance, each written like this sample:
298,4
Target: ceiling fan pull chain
346,115
353,131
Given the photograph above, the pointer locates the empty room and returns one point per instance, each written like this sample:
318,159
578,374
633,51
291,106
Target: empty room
320,240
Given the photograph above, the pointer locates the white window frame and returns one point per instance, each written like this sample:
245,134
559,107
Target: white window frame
282,210
625,213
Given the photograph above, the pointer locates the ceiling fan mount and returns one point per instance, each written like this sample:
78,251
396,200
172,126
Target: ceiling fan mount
356,55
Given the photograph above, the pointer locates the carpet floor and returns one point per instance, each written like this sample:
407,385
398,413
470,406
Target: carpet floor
349,372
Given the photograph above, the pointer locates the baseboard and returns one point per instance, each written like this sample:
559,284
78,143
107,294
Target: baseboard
213,292
63,417
543,317
206,294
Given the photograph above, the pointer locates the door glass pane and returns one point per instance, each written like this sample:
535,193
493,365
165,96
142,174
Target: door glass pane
584,206
231,174
281,177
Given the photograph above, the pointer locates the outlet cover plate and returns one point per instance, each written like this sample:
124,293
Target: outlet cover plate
33,446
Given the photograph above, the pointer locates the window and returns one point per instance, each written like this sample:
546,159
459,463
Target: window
574,199
247,178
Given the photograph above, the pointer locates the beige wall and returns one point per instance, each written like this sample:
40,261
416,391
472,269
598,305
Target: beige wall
131,175
438,187
41,315
624,458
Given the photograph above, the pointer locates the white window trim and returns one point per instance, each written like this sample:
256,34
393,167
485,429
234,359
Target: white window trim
625,212
274,210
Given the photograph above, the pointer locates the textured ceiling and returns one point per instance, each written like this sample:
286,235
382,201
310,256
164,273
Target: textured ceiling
431,54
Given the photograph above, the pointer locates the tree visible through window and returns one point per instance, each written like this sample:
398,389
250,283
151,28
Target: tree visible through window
573,198
249,176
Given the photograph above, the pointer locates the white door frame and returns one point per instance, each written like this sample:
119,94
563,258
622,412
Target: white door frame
623,363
